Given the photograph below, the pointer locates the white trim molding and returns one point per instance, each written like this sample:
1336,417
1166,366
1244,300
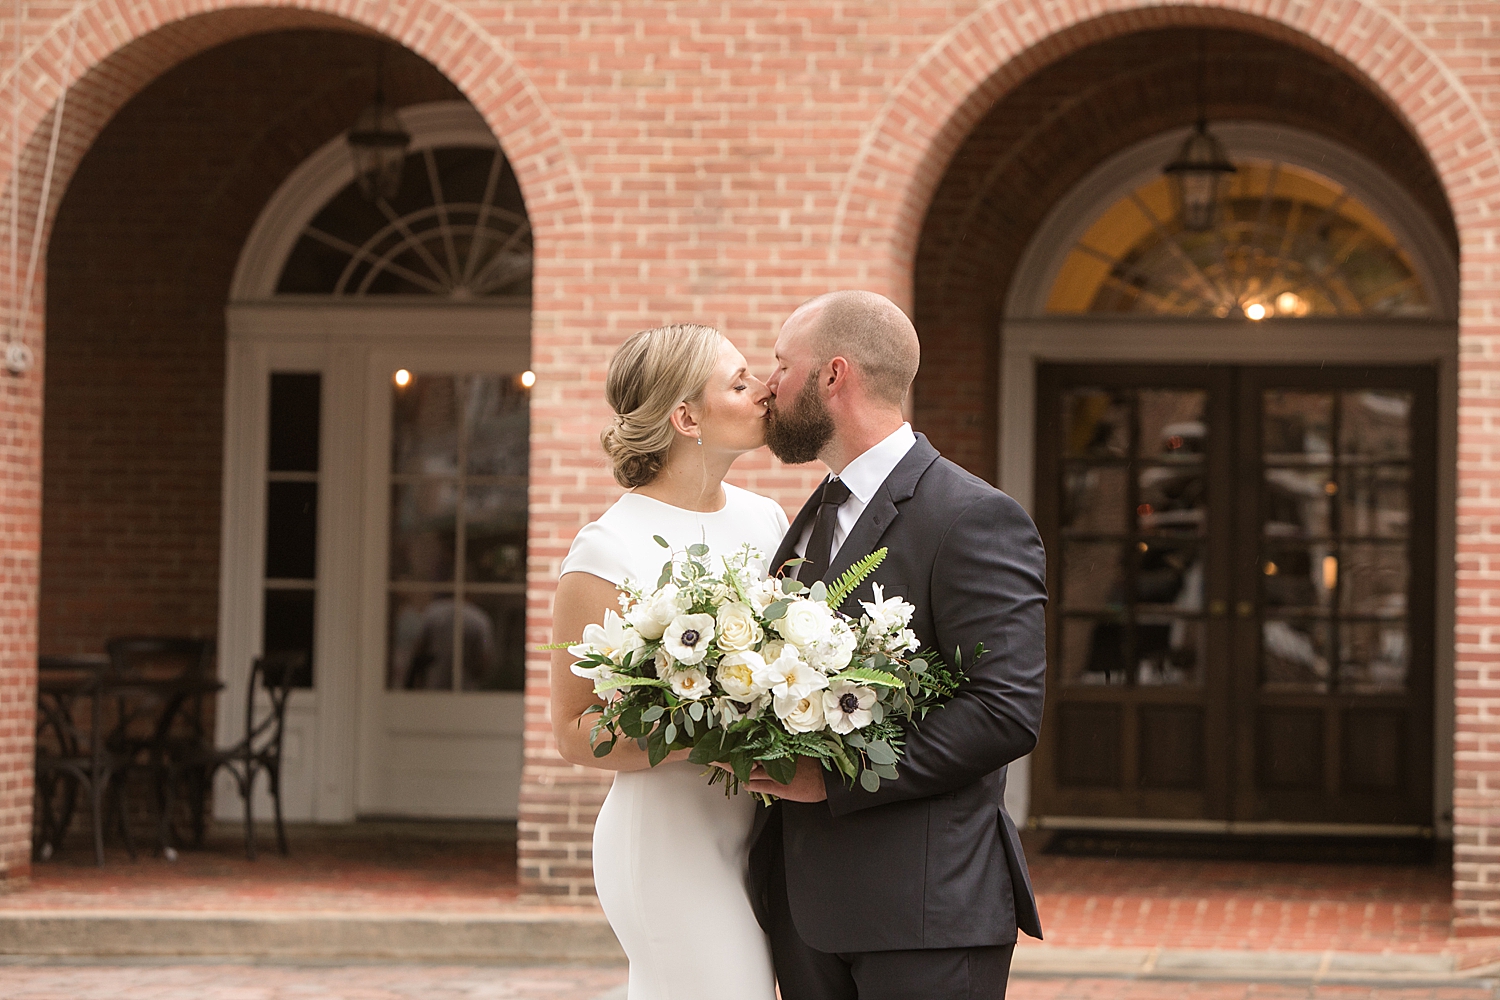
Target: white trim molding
322,176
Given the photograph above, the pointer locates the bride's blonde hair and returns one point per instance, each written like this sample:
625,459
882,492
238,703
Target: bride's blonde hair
651,373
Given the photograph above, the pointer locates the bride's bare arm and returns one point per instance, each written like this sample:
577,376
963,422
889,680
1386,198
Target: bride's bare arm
582,599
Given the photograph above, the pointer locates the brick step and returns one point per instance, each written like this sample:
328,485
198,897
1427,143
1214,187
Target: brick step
1033,959
422,937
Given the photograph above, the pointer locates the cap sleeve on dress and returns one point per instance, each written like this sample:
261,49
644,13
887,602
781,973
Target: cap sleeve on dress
596,550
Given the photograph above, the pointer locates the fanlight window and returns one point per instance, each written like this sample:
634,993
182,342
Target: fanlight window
457,228
1289,243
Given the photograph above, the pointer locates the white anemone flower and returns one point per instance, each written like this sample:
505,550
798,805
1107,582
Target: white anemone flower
846,706
690,684
687,638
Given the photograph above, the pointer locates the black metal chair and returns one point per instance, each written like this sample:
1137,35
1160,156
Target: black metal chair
259,750
71,757
150,729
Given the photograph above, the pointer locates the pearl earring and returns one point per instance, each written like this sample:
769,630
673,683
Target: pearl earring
700,442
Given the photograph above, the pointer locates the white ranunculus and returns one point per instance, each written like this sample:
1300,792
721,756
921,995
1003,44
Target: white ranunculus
833,654
688,636
653,614
887,614
800,713
805,622
846,706
736,675
690,684
664,665
738,629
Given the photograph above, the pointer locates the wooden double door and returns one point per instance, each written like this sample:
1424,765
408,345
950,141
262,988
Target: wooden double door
1240,563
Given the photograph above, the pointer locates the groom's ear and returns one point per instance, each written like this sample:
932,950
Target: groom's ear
835,375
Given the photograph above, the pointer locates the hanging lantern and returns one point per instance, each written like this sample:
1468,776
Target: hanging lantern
377,142
1197,176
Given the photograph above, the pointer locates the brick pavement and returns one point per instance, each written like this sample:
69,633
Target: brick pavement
382,982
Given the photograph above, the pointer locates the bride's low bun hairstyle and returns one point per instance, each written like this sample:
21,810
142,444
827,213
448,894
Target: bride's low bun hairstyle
649,376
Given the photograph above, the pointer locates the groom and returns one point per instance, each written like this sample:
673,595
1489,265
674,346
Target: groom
916,889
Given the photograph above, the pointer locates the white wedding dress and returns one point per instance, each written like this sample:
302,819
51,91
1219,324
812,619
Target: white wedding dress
670,849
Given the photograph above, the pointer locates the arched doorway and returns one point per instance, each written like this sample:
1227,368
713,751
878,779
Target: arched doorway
1239,445
1035,252
392,339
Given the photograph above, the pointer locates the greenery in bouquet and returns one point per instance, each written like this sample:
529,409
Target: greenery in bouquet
745,670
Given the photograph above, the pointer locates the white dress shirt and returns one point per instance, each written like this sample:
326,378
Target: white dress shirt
863,476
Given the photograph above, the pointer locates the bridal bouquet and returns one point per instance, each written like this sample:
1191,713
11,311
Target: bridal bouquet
750,670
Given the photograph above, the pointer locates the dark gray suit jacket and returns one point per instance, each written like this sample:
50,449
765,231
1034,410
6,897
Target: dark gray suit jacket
930,860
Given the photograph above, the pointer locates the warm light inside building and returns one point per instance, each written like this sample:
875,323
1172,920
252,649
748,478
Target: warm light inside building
402,377
528,379
1330,572
1255,311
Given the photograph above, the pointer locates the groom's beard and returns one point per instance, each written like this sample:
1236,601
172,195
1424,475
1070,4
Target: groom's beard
797,433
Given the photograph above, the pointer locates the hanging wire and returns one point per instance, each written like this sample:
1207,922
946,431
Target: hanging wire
20,360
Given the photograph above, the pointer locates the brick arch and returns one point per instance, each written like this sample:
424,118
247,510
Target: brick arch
122,45
906,150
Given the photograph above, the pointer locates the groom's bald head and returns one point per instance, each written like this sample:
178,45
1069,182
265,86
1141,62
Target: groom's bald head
870,332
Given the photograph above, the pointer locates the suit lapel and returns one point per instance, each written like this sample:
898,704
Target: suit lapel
788,548
882,510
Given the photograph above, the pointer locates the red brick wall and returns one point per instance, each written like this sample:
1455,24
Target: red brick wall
139,267
722,162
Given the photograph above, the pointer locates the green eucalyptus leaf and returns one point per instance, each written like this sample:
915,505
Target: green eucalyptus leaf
885,771
660,541
790,585
869,781
651,714
855,740
697,550
880,752
671,734
774,611
818,591
696,710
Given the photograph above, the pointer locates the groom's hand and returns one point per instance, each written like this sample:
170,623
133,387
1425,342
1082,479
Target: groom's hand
807,786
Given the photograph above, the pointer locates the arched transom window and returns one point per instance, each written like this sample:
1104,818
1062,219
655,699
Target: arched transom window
457,228
1289,243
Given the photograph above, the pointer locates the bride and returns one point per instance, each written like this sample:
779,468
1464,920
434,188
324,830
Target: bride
669,849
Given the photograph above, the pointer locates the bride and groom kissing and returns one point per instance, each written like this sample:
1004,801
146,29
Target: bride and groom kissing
918,888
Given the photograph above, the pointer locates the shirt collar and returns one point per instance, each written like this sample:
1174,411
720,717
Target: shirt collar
864,475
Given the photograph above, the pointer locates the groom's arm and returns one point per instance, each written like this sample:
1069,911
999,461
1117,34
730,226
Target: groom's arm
989,587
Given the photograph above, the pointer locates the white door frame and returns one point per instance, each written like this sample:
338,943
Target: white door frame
341,341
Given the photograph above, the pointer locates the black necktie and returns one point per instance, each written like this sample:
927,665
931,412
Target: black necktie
820,545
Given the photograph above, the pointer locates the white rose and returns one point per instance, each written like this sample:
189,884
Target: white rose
688,636
805,622
800,714
736,675
846,706
664,664
738,629
769,651
654,613
833,654
690,684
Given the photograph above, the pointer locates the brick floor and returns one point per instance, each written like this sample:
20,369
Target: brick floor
239,982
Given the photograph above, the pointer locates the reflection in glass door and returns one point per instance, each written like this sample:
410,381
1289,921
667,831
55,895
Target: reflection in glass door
1240,569
457,609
